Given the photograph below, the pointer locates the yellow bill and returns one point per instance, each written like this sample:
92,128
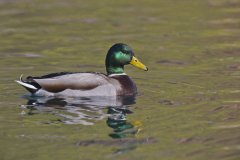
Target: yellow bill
135,62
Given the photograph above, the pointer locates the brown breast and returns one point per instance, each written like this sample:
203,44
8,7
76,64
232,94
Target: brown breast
127,86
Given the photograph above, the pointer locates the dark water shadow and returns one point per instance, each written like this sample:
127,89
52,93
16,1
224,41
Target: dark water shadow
81,110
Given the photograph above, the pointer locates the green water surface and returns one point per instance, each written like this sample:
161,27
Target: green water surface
188,105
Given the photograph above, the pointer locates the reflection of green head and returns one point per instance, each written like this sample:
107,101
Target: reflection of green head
118,55
117,121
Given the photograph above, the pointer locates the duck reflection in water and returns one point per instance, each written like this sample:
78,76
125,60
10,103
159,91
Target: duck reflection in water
87,110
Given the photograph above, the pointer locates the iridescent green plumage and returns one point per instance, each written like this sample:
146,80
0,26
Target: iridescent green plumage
118,56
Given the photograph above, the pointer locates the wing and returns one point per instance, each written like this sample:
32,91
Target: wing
75,81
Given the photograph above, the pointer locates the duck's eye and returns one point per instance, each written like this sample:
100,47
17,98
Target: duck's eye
124,51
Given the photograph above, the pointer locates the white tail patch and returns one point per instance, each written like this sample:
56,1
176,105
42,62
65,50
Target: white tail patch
26,85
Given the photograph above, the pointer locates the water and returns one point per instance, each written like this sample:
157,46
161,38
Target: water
188,103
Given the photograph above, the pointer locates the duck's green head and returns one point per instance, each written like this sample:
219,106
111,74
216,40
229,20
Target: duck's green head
119,55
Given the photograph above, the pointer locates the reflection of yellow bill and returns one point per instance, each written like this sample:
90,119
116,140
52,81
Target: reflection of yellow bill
135,62
136,123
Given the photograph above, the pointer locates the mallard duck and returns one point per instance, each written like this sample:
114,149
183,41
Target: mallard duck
78,84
